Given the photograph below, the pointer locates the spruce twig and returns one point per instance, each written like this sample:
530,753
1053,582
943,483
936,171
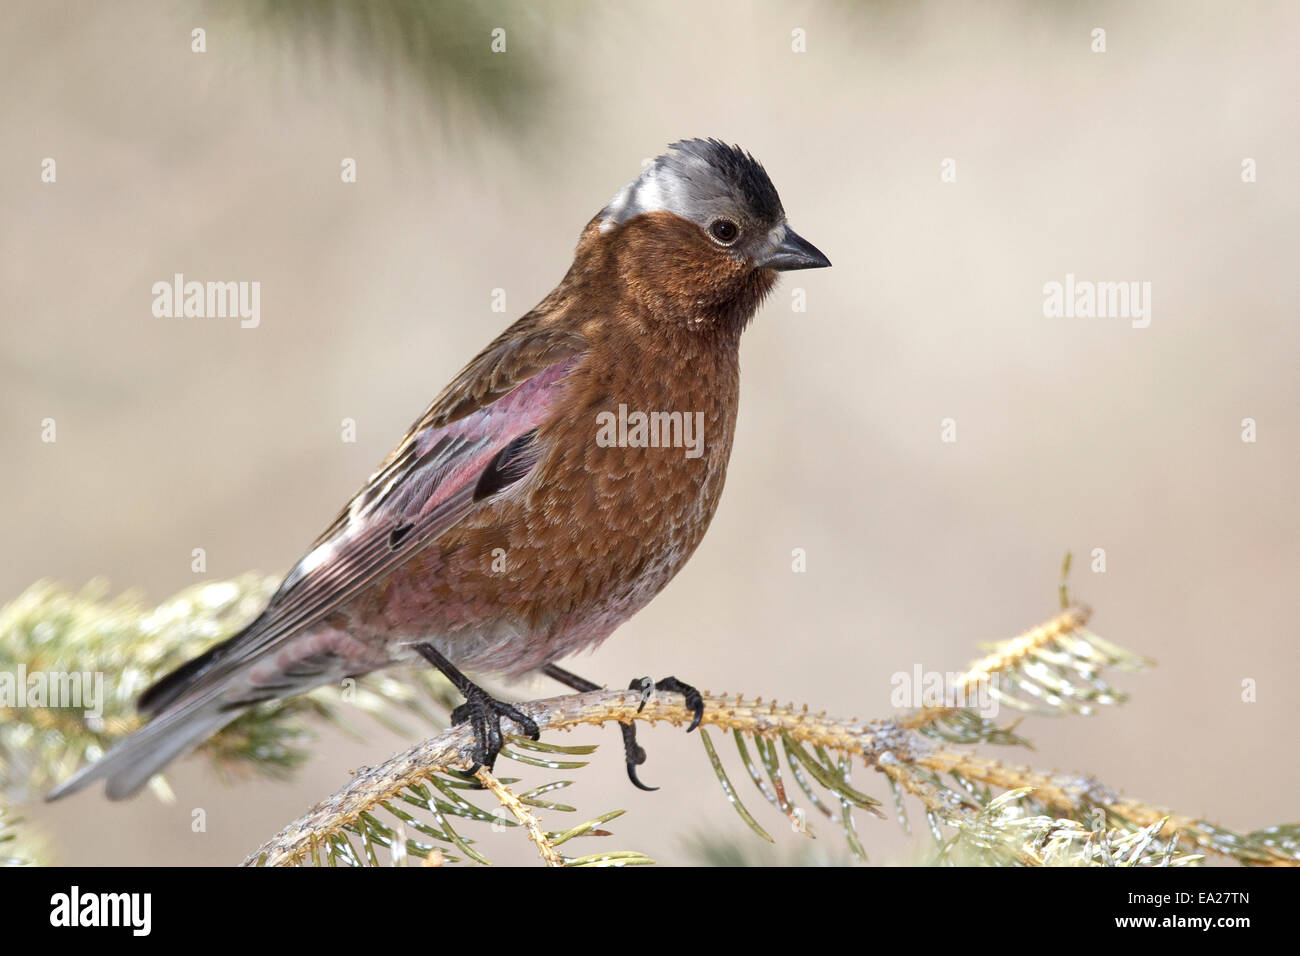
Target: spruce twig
422,803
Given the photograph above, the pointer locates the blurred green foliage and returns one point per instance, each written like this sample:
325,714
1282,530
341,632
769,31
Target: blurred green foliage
485,55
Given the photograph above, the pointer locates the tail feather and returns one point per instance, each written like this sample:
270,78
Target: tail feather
131,762
188,705
186,678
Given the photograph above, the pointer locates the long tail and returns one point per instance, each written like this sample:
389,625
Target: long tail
187,708
131,762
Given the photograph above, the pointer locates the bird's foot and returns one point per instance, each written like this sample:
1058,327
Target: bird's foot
671,685
634,752
483,713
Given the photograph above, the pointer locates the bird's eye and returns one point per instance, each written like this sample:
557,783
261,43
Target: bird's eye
724,231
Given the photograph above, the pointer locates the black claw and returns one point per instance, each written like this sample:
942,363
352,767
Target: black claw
483,713
636,782
635,756
694,702
631,749
645,686
526,723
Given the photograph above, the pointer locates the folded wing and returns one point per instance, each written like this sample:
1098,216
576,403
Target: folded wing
436,476
476,440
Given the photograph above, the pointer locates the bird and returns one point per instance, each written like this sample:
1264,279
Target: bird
547,494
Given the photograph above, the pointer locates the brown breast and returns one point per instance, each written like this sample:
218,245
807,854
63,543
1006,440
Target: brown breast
634,464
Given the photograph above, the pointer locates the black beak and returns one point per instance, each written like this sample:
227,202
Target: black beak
794,252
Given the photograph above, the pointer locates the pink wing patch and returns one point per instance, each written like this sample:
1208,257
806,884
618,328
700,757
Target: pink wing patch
428,486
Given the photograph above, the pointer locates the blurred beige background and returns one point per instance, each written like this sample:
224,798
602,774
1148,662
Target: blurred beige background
1072,433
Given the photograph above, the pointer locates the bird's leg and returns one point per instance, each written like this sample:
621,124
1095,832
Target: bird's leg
481,710
634,752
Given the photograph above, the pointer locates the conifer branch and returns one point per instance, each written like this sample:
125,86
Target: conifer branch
913,752
545,847
802,764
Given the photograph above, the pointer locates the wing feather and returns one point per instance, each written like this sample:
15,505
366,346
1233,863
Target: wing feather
424,487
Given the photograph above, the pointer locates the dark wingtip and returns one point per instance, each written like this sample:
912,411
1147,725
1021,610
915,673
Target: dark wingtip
170,686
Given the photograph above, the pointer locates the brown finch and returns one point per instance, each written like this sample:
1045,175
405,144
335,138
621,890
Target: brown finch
548,494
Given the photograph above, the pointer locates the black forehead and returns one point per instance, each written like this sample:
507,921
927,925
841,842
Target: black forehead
740,170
